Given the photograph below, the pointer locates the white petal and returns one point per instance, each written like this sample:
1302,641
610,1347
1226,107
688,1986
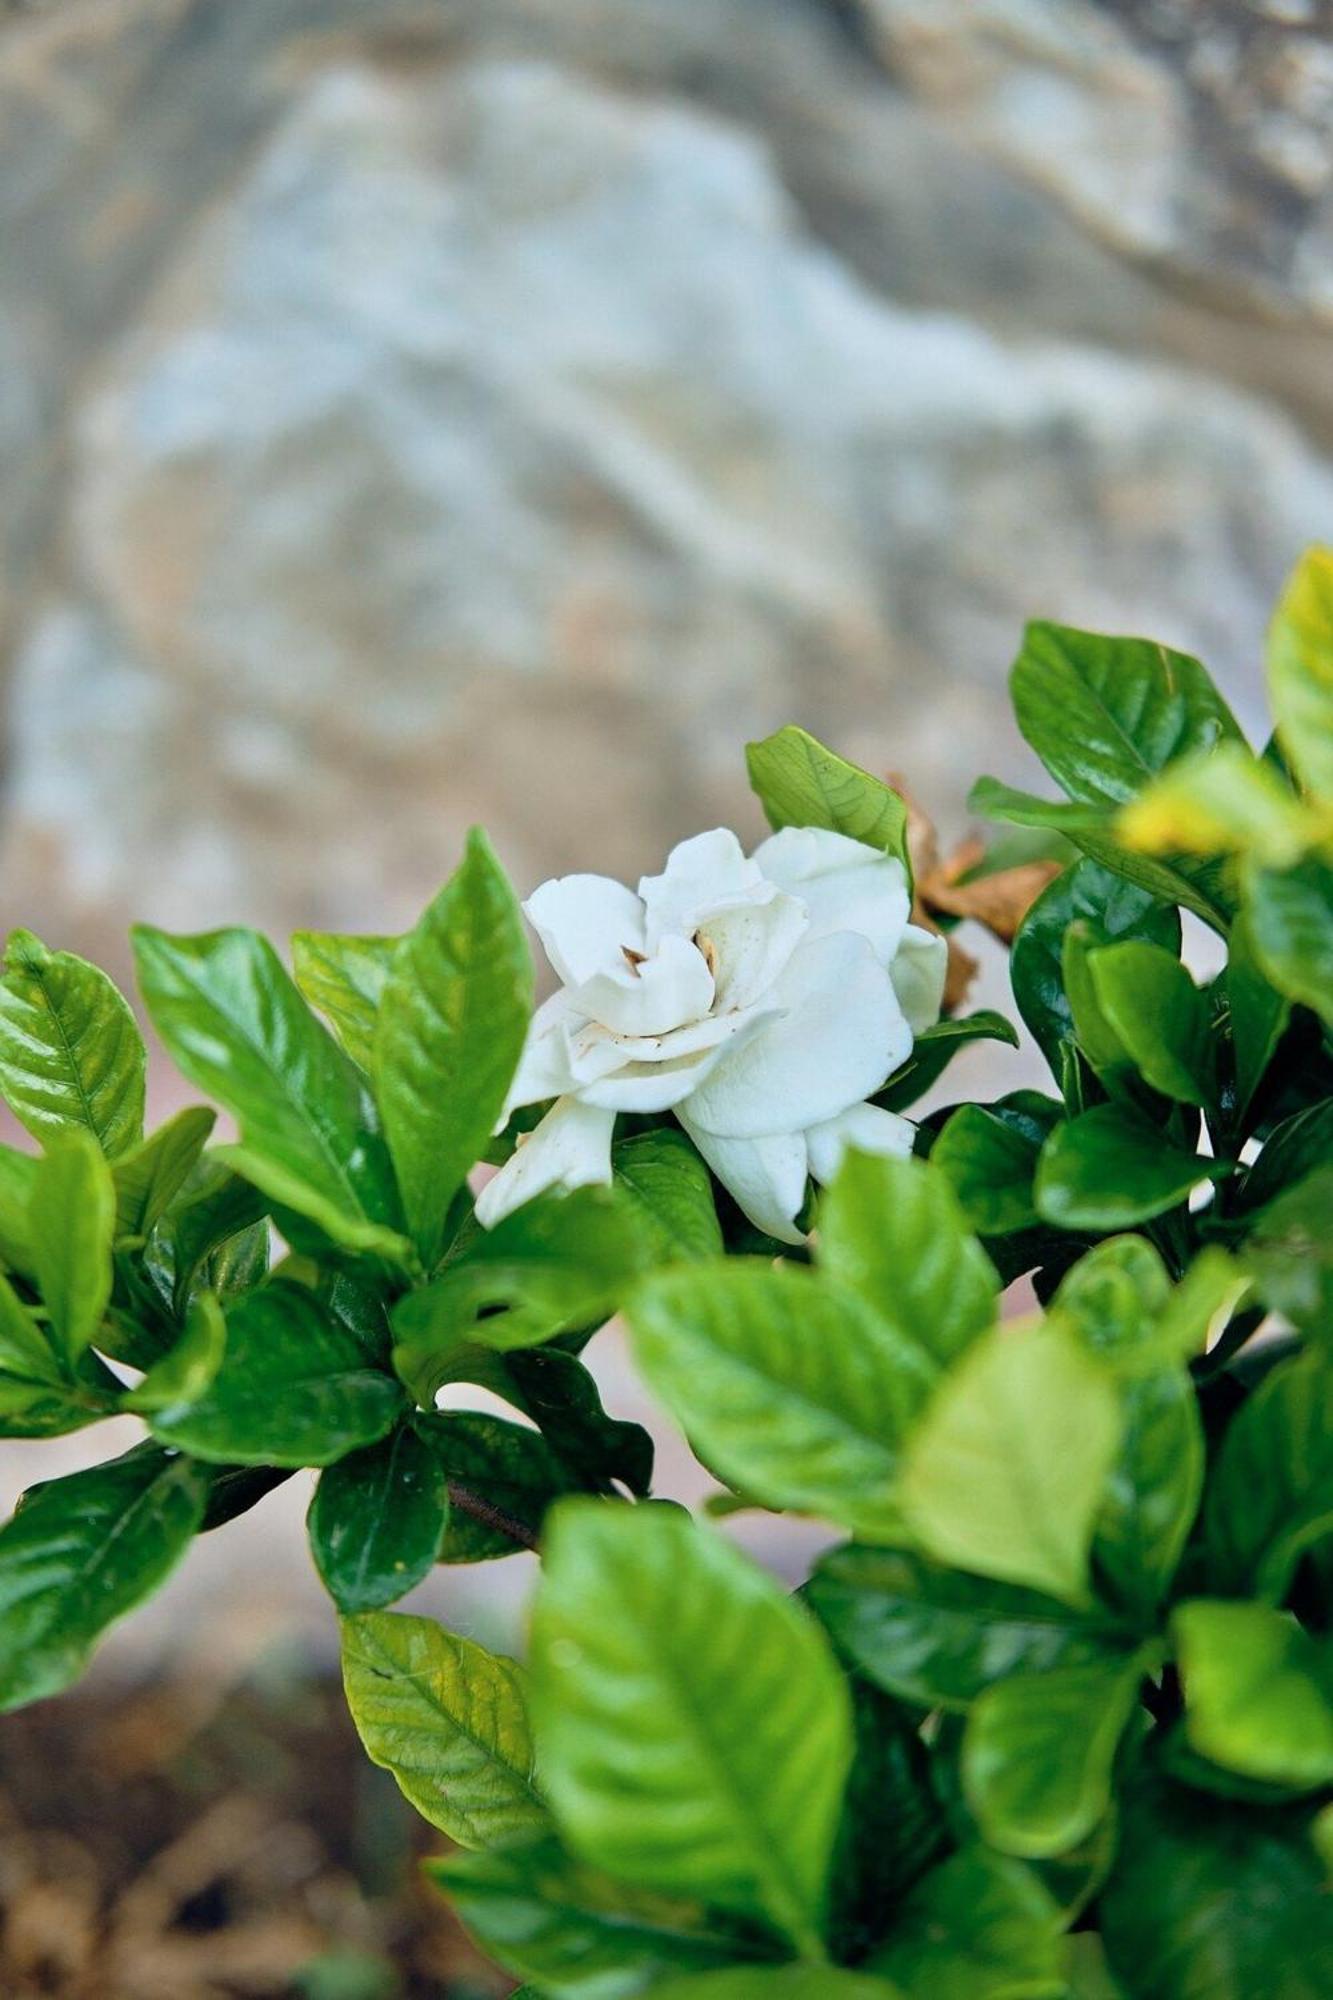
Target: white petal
867,1128
585,922
842,1033
700,874
594,1052
570,1148
678,1065
918,972
665,991
846,885
765,1177
752,943
544,1067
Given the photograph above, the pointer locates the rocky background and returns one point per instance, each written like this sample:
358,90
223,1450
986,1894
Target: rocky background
420,411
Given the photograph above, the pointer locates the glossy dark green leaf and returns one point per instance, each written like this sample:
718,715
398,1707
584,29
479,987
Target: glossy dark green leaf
450,1721
894,1824
237,1027
72,1221
214,1209
150,1175
1214,1901
1113,908
594,1450
188,1370
25,1351
937,1637
799,782
787,1385
893,1231
344,977
1300,670
376,1521
1293,1149
1110,1168
1038,1754
501,1478
452,1019
1258,1692
37,1396
580,1933
979,1927
989,1482
1160,1017
294,1389
782,1982
1270,1498
695,1732
1093,1032
661,1172
1259,1014
71,1055
934,1048
1290,1252
990,1159
1153,1492
16,1178
560,1263
1289,912
81,1552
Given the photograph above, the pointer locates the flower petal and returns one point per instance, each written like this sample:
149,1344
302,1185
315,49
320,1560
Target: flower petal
918,972
842,1032
570,1148
846,885
700,874
764,1177
649,996
584,923
867,1128
544,1068
594,1052
751,944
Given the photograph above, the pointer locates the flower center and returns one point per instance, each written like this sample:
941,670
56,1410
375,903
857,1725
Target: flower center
707,950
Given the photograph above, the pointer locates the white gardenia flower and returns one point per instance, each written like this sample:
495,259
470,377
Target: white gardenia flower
762,1000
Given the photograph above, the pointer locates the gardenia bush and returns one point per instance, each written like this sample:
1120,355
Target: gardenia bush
1055,1715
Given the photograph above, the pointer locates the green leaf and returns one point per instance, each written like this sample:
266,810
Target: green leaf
558,1264
1113,909
294,1205
978,1927
24,1350
1300,670
187,1372
799,782
1293,1149
594,1451
989,1482
214,1209
1259,1015
993,800
293,1390
1160,1017
989,1153
788,1386
450,1721
894,1823
149,1177
1038,1754
1154,1492
1270,1498
664,1760
672,1191
1290,1251
1257,1692
17,1171
892,1231
782,1982
501,1478
376,1521
239,1030
72,1221
937,1637
934,1048
1214,1901
1290,916
81,1552
452,1019
1113,1298
1110,1168
344,977
579,1932
1221,801
71,1055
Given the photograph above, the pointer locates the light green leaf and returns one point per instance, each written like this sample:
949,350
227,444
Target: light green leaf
72,1221
1038,1754
1220,801
1112,1298
990,1482
1290,917
1154,1491
71,1055
186,1374
293,1389
376,1521
1159,1016
799,782
1300,670
780,1982
284,1190
452,1020
150,1176
17,1171
1290,1252
24,1350
979,1927
1110,1168
1259,1015
344,977
788,1386
936,1637
1257,1692
994,800
989,1158
81,1552
695,1732
450,1721
672,1190
238,1029
892,1231
1270,1497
